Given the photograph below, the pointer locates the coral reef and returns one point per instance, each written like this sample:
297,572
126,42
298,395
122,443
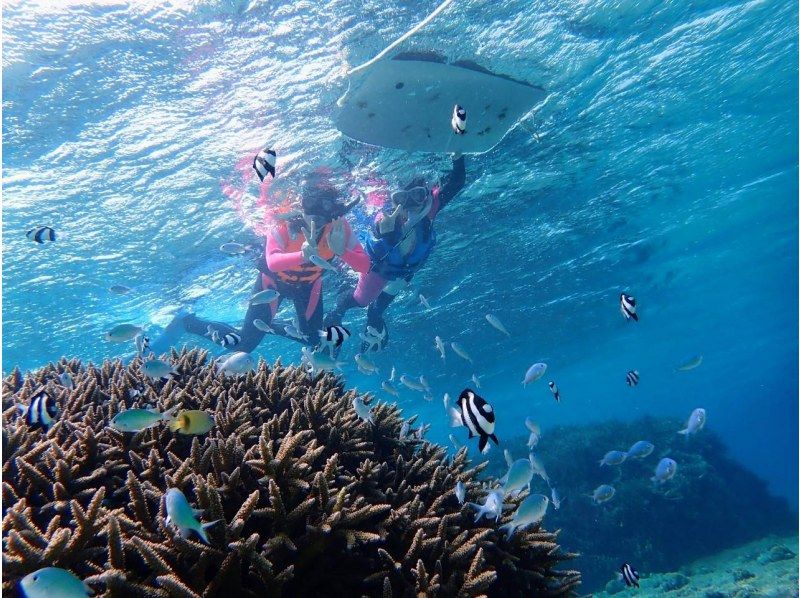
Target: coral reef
711,504
311,500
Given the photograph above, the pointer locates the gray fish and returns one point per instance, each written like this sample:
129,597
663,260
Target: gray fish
613,458
640,449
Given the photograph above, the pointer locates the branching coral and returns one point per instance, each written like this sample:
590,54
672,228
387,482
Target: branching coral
311,500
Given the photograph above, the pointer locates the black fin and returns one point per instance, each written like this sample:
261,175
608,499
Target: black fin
482,442
493,437
635,317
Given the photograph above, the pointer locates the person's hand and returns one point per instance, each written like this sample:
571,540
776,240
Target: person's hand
337,237
308,250
387,223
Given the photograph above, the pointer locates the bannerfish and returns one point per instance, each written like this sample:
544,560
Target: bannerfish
236,363
263,326
264,163
459,350
65,378
53,582
142,344
555,498
439,346
322,263
461,492
334,335
387,386
233,248
530,511
424,302
554,390
665,470
320,361
632,378
697,420
122,333
613,458
478,416
136,420
603,494
496,323
156,369
534,372
411,383
265,296
192,421
640,449
119,289
629,575
492,506
459,120
363,411
690,364
41,234
627,305
181,514
476,381
41,412
518,477
365,366
229,339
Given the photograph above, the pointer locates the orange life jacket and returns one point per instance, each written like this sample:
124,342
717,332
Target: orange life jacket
305,272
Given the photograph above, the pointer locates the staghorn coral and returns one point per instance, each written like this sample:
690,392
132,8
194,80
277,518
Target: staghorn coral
311,501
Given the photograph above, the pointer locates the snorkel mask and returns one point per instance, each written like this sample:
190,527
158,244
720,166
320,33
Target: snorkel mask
412,199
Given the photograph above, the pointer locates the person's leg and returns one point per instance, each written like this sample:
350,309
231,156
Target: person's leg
368,288
308,304
375,317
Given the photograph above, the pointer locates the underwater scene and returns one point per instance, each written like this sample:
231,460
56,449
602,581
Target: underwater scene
400,298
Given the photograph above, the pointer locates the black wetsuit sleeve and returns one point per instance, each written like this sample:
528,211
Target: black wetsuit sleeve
453,182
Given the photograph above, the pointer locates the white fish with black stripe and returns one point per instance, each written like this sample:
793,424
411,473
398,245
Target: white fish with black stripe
142,343
334,336
41,412
41,234
632,378
629,575
478,416
459,120
554,390
627,306
229,339
264,163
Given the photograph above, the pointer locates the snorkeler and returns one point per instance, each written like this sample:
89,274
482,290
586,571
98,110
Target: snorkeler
294,248
398,246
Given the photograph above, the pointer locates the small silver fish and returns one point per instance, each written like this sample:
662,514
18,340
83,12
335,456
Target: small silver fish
665,470
476,381
602,494
404,430
122,333
239,362
119,289
425,385
363,411
461,492
265,296
319,361
689,365
292,330
423,301
66,380
387,386
459,350
534,372
53,582
365,365
156,369
492,506
640,449
439,344
410,383
233,248
263,326
455,442
555,498
613,458
697,420
531,510
322,263
496,323
392,375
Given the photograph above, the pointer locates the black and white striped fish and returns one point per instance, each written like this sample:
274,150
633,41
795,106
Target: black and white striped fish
264,163
229,339
478,416
40,234
459,121
42,411
554,390
142,344
627,305
334,335
629,575
632,378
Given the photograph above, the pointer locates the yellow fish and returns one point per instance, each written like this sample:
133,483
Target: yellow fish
192,422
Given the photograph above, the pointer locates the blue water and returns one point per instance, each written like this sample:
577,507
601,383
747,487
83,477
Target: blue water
664,163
